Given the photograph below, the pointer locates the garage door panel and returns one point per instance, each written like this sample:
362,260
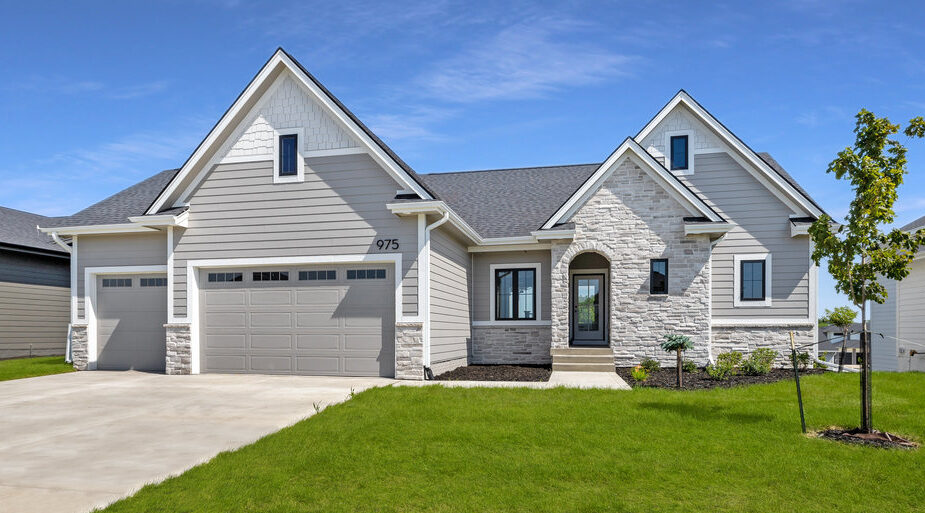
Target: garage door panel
271,341
226,320
130,330
358,321
317,320
226,363
271,363
225,298
322,341
226,340
318,296
280,320
318,365
270,297
362,341
363,366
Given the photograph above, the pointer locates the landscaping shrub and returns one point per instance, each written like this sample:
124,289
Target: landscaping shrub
639,373
689,366
650,365
803,360
726,365
759,362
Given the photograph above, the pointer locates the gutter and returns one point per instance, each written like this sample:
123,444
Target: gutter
426,288
58,241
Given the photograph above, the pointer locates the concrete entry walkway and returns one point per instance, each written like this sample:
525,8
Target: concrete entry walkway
567,379
72,442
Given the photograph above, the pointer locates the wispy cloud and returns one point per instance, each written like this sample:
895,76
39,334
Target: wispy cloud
525,60
66,86
416,123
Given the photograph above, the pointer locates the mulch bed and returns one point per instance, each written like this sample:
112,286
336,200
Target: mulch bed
700,380
879,439
497,373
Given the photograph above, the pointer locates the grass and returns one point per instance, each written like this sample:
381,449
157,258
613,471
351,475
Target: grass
18,368
445,450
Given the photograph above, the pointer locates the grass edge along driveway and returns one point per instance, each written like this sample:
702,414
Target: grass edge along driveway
18,368
438,449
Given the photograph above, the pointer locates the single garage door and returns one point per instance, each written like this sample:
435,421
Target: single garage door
326,320
131,313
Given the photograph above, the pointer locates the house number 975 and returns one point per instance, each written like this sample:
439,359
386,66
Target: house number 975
387,244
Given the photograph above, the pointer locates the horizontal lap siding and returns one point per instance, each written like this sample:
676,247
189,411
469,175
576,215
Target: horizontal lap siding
33,319
238,212
762,227
912,313
449,298
32,269
481,276
883,320
128,249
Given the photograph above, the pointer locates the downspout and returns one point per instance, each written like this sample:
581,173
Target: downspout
67,343
58,241
426,289
710,342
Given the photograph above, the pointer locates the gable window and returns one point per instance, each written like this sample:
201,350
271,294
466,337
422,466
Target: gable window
288,153
515,294
678,152
271,276
658,276
752,280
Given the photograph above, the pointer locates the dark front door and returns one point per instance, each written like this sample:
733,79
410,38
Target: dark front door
588,309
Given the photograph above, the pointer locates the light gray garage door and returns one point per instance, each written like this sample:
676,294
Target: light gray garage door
328,320
131,313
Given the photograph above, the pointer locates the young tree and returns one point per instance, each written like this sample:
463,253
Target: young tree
841,317
678,344
857,250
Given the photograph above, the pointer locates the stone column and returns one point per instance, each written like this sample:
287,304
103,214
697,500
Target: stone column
179,349
409,350
79,356
559,295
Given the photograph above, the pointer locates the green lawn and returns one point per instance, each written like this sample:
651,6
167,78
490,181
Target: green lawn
31,367
446,450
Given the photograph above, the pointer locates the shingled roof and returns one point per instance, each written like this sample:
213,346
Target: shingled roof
18,228
914,225
769,160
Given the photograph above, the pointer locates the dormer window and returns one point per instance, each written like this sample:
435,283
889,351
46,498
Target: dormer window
678,152
288,160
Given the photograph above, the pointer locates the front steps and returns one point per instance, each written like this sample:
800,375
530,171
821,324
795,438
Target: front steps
583,359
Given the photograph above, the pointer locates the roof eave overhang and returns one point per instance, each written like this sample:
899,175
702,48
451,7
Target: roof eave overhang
707,228
98,229
162,221
435,207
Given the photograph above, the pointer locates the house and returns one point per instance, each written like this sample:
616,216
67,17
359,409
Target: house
830,344
898,325
294,240
34,288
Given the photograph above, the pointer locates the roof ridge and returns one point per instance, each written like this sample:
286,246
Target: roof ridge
508,169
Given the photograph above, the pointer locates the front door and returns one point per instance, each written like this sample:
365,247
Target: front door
588,319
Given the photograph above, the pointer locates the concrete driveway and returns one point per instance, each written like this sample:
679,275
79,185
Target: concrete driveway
76,441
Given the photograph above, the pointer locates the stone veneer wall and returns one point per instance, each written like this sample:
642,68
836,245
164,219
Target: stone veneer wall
409,350
511,345
441,367
746,339
179,349
630,220
79,337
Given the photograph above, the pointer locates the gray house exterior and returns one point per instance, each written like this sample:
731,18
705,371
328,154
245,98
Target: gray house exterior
34,288
294,240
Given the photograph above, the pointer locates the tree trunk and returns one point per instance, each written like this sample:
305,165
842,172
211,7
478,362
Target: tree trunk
867,425
679,367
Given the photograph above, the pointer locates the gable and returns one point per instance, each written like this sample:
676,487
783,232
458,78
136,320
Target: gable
681,120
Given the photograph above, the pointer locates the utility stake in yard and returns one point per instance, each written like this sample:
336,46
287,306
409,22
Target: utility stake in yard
796,374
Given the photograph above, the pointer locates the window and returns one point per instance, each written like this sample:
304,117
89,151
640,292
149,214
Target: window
117,282
752,279
366,274
271,276
317,275
658,276
154,282
222,277
515,294
678,152
288,155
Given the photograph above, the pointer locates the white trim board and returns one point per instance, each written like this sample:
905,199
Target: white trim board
737,260
280,61
299,132
762,323
192,284
537,284
90,295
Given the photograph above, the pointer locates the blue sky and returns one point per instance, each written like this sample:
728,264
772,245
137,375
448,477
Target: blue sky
97,96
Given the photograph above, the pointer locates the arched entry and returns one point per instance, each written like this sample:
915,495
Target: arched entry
589,300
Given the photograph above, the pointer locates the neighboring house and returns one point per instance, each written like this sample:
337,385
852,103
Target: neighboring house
898,325
830,344
34,288
294,240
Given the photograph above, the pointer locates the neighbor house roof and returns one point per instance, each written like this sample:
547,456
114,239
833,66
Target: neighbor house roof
914,225
117,208
508,202
18,228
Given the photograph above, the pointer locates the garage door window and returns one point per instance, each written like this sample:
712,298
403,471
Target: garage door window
366,274
221,277
117,282
271,276
154,282
317,275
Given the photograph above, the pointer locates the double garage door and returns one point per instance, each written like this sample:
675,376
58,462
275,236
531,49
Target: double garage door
325,320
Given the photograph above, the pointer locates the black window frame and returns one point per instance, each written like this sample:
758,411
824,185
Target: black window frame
652,289
263,276
295,160
234,277
687,152
764,280
515,296
113,283
318,275
152,282
367,274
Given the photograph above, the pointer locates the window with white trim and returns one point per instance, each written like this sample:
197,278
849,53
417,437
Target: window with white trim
752,280
515,294
288,158
679,155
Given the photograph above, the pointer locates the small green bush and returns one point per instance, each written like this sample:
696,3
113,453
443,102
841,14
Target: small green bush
726,365
650,365
803,360
759,362
639,374
689,366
